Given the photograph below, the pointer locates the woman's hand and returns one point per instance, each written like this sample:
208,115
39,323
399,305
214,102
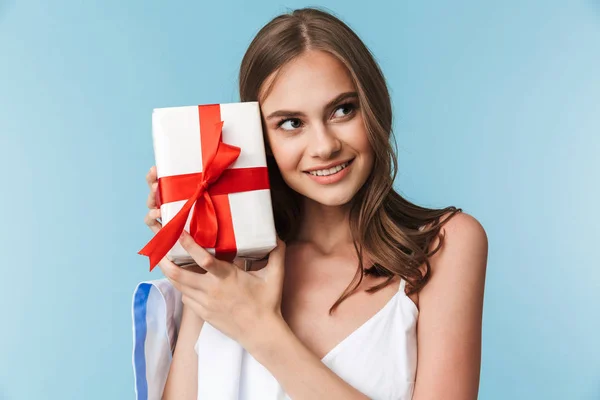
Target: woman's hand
243,305
152,218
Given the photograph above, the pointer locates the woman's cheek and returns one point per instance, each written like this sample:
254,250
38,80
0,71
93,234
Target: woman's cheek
286,153
285,160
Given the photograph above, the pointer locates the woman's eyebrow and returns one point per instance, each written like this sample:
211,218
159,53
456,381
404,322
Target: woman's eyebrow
292,114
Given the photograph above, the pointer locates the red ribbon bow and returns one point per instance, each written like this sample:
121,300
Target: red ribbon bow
203,190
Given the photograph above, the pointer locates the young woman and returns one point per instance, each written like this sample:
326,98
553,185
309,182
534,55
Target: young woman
363,266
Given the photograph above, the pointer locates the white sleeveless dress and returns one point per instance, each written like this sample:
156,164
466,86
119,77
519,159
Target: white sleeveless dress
379,359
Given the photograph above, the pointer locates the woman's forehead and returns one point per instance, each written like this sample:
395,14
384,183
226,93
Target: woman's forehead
312,79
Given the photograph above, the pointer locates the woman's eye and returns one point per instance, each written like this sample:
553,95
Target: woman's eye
346,109
290,124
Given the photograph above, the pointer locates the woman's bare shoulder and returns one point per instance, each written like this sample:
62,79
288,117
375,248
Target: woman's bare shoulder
462,234
464,247
459,229
465,228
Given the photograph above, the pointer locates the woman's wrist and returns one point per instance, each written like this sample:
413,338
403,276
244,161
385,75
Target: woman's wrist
273,331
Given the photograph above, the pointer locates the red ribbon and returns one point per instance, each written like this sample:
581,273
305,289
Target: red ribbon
211,225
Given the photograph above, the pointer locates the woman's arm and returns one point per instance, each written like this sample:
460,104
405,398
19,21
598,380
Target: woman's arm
245,307
450,315
182,382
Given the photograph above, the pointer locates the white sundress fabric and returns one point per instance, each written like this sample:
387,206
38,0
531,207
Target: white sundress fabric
379,358
156,314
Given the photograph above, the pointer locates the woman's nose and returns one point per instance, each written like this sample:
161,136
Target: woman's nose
324,143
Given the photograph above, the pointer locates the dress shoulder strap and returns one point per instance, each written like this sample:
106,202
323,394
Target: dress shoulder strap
402,285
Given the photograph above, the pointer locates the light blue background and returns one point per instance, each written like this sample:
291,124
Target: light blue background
497,110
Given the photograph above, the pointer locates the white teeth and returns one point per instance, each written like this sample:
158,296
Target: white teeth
330,171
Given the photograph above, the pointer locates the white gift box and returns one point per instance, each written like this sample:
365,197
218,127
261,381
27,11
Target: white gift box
177,140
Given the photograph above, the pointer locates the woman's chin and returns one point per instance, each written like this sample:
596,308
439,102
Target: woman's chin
331,200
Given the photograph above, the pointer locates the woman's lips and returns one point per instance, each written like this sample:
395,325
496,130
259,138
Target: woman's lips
333,178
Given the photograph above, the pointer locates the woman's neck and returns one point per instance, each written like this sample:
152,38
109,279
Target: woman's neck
326,227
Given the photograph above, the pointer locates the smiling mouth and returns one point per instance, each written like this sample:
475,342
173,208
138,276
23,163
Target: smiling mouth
330,171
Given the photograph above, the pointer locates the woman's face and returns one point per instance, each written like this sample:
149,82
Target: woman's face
315,129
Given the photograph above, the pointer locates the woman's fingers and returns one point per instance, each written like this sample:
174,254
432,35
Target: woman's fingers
181,278
151,201
203,258
151,219
151,176
194,268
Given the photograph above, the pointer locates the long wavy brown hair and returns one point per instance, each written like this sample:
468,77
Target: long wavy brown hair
395,234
